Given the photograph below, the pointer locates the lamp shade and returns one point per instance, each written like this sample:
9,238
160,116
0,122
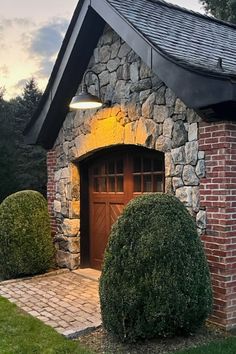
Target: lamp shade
85,100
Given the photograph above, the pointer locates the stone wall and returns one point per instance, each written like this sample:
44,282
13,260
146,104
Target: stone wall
143,112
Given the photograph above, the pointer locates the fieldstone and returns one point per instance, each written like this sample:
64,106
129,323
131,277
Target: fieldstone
132,111
70,227
160,113
114,49
177,171
113,79
73,245
145,71
200,169
99,68
107,37
195,199
193,132
168,164
57,176
184,194
74,209
109,94
189,176
168,185
192,116
134,72
57,206
168,127
170,97
132,57
65,173
124,50
179,107
201,155
163,144
104,54
160,95
120,90
141,85
201,219
146,132
177,182
180,135
147,107
178,156
113,64
96,55
144,95
104,78
67,260
191,152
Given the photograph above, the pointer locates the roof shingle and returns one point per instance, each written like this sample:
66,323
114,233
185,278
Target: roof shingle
192,39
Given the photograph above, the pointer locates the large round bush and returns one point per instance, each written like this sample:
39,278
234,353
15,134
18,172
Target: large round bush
25,240
155,280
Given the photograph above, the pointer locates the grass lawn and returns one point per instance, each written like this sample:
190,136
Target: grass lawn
226,346
23,334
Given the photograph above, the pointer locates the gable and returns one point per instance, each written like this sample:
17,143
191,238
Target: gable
210,92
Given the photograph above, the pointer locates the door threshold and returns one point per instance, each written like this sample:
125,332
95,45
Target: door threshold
88,273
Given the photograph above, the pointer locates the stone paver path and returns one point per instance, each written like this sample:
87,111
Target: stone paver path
67,301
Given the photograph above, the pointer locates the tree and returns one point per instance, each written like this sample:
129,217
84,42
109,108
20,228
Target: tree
222,9
8,182
30,167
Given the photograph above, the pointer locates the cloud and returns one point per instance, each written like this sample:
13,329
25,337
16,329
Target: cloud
47,39
21,83
4,71
45,69
44,44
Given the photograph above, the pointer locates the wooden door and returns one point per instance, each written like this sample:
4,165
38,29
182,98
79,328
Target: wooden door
114,179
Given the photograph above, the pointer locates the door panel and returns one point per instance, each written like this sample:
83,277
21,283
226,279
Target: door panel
114,179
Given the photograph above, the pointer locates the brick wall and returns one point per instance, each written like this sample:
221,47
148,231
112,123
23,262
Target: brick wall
51,190
218,196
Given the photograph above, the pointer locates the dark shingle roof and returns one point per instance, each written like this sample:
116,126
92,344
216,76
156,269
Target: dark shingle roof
192,39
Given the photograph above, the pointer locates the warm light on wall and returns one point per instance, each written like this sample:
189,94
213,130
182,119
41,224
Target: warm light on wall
85,100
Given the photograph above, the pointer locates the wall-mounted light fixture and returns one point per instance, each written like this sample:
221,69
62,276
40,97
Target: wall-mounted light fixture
84,100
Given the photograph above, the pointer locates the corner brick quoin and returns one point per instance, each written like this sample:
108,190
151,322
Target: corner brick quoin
200,161
218,197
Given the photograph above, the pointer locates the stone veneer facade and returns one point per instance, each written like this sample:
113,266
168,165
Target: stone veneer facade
145,112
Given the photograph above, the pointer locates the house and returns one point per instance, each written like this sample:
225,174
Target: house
167,78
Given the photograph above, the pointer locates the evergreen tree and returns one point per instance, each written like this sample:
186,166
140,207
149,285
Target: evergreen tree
222,9
8,183
31,160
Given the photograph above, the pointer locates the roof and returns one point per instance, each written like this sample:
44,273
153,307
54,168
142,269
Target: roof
192,39
185,49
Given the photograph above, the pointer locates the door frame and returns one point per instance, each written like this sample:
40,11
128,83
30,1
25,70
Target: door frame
84,194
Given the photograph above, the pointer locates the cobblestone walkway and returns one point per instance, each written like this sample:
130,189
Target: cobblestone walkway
66,301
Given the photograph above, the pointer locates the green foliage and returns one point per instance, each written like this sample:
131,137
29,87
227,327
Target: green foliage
155,279
222,9
8,182
21,166
25,239
30,165
24,334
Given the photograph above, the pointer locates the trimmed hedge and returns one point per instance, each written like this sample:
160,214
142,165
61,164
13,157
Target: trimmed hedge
25,238
155,280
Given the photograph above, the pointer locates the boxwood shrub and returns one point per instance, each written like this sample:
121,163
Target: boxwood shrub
25,239
155,280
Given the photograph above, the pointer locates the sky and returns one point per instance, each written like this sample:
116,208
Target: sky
31,33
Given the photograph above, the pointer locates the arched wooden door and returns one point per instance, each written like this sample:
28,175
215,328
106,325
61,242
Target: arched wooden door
114,179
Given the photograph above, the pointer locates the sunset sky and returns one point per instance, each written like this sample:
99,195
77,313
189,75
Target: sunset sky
31,33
